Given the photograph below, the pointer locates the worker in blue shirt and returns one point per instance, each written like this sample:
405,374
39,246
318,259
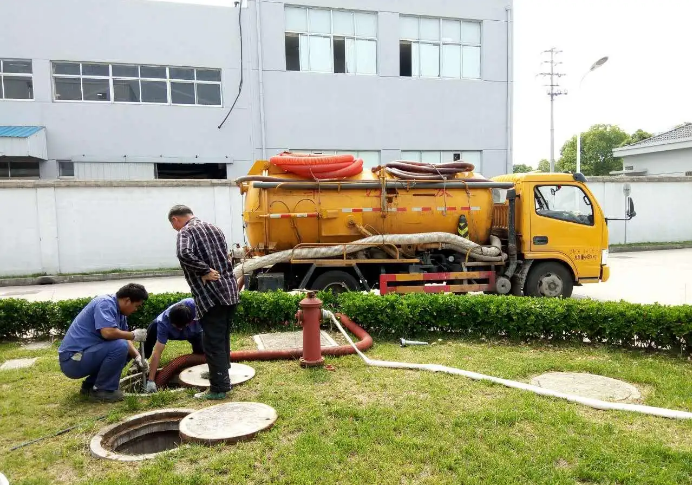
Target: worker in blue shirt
177,322
98,343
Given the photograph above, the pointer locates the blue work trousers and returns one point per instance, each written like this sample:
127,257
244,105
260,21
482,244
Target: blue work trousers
101,364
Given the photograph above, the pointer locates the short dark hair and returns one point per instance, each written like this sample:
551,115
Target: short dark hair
180,315
134,291
179,210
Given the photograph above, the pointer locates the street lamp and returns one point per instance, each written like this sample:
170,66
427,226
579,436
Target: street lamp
594,66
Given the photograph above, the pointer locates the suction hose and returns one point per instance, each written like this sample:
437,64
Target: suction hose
184,361
586,401
450,241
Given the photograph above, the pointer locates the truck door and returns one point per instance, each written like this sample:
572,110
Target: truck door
562,221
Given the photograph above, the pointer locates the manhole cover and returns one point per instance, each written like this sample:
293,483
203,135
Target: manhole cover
588,385
227,423
17,364
288,340
193,376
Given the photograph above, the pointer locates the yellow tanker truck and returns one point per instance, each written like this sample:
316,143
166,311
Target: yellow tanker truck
534,234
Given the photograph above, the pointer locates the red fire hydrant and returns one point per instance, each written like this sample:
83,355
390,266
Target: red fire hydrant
310,316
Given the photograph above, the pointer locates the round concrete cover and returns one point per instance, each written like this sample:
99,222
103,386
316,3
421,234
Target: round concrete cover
227,423
588,385
192,376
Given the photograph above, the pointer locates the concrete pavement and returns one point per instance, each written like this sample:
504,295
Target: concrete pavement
642,277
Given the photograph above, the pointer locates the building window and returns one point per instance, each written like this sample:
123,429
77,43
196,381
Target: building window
16,79
191,171
371,158
473,157
338,41
130,83
18,168
65,169
439,48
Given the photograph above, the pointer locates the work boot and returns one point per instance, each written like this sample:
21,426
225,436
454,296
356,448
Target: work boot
106,396
86,389
211,396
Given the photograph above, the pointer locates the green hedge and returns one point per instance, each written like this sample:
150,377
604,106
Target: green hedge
617,323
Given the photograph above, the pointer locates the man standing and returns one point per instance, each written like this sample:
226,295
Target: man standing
98,343
203,255
177,322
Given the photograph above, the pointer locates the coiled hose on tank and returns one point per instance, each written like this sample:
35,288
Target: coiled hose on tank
318,167
449,241
586,401
407,170
178,364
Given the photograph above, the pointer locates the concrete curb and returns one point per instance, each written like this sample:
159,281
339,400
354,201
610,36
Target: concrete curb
85,278
653,247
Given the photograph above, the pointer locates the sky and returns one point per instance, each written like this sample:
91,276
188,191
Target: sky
646,83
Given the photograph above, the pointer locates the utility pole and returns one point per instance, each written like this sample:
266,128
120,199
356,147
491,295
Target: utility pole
553,92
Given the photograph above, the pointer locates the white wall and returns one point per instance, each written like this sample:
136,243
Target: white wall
79,226
673,162
71,227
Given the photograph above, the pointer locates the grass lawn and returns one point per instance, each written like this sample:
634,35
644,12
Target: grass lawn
360,425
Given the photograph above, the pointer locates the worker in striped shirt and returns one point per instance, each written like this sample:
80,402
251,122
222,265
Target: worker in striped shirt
203,254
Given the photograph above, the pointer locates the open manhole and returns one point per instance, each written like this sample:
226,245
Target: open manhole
140,437
133,385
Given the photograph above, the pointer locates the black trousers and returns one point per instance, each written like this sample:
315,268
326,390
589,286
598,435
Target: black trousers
196,341
216,326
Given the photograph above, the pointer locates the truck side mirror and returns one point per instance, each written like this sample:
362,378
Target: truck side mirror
630,210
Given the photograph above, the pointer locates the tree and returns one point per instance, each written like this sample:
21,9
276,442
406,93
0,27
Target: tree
596,151
637,136
522,168
544,165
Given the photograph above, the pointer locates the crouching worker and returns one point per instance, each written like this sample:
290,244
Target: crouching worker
177,322
98,343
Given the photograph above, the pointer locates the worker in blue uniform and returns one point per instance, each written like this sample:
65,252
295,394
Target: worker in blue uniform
98,343
177,322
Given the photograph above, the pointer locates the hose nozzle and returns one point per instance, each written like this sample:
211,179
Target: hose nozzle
405,342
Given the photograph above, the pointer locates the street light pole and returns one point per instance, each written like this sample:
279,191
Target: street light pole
594,66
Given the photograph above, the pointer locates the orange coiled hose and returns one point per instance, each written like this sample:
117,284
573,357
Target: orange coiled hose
318,167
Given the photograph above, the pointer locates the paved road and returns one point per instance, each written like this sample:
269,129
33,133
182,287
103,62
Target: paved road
643,277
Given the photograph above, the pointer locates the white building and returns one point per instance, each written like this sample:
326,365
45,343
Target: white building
668,153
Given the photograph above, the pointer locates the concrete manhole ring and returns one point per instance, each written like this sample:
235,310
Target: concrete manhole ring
192,376
227,423
140,437
588,385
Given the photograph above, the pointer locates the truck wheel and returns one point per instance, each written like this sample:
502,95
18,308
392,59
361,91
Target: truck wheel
336,282
549,280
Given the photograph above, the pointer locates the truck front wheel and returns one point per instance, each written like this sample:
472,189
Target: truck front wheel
549,279
336,282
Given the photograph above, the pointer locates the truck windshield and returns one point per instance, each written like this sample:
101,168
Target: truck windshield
564,202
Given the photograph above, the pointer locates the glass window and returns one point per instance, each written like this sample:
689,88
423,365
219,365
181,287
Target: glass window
446,48
22,169
129,83
65,169
338,41
4,169
410,156
16,79
565,203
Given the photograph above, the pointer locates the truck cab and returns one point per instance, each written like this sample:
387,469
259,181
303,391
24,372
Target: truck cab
561,233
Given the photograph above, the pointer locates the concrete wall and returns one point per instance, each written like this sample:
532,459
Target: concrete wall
663,206
307,110
67,227
673,162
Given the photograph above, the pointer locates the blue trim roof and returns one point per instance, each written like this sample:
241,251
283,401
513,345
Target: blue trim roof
18,131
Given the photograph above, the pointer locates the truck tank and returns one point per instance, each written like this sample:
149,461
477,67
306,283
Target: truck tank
281,218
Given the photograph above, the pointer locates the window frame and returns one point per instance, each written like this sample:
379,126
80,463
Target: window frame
584,194
3,74
355,37
9,169
440,43
60,165
111,78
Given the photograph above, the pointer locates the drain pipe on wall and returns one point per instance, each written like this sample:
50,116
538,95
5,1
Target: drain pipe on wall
510,86
260,72
594,403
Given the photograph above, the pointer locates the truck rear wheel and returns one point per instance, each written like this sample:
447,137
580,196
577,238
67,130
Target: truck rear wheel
336,282
550,280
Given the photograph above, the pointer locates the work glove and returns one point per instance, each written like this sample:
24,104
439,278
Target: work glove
151,387
140,335
141,364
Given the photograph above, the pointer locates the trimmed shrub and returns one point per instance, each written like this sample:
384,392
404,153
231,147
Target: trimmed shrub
616,323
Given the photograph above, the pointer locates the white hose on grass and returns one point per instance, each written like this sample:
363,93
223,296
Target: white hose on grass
586,401
449,241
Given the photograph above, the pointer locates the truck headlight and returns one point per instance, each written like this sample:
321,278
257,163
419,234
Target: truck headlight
604,257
